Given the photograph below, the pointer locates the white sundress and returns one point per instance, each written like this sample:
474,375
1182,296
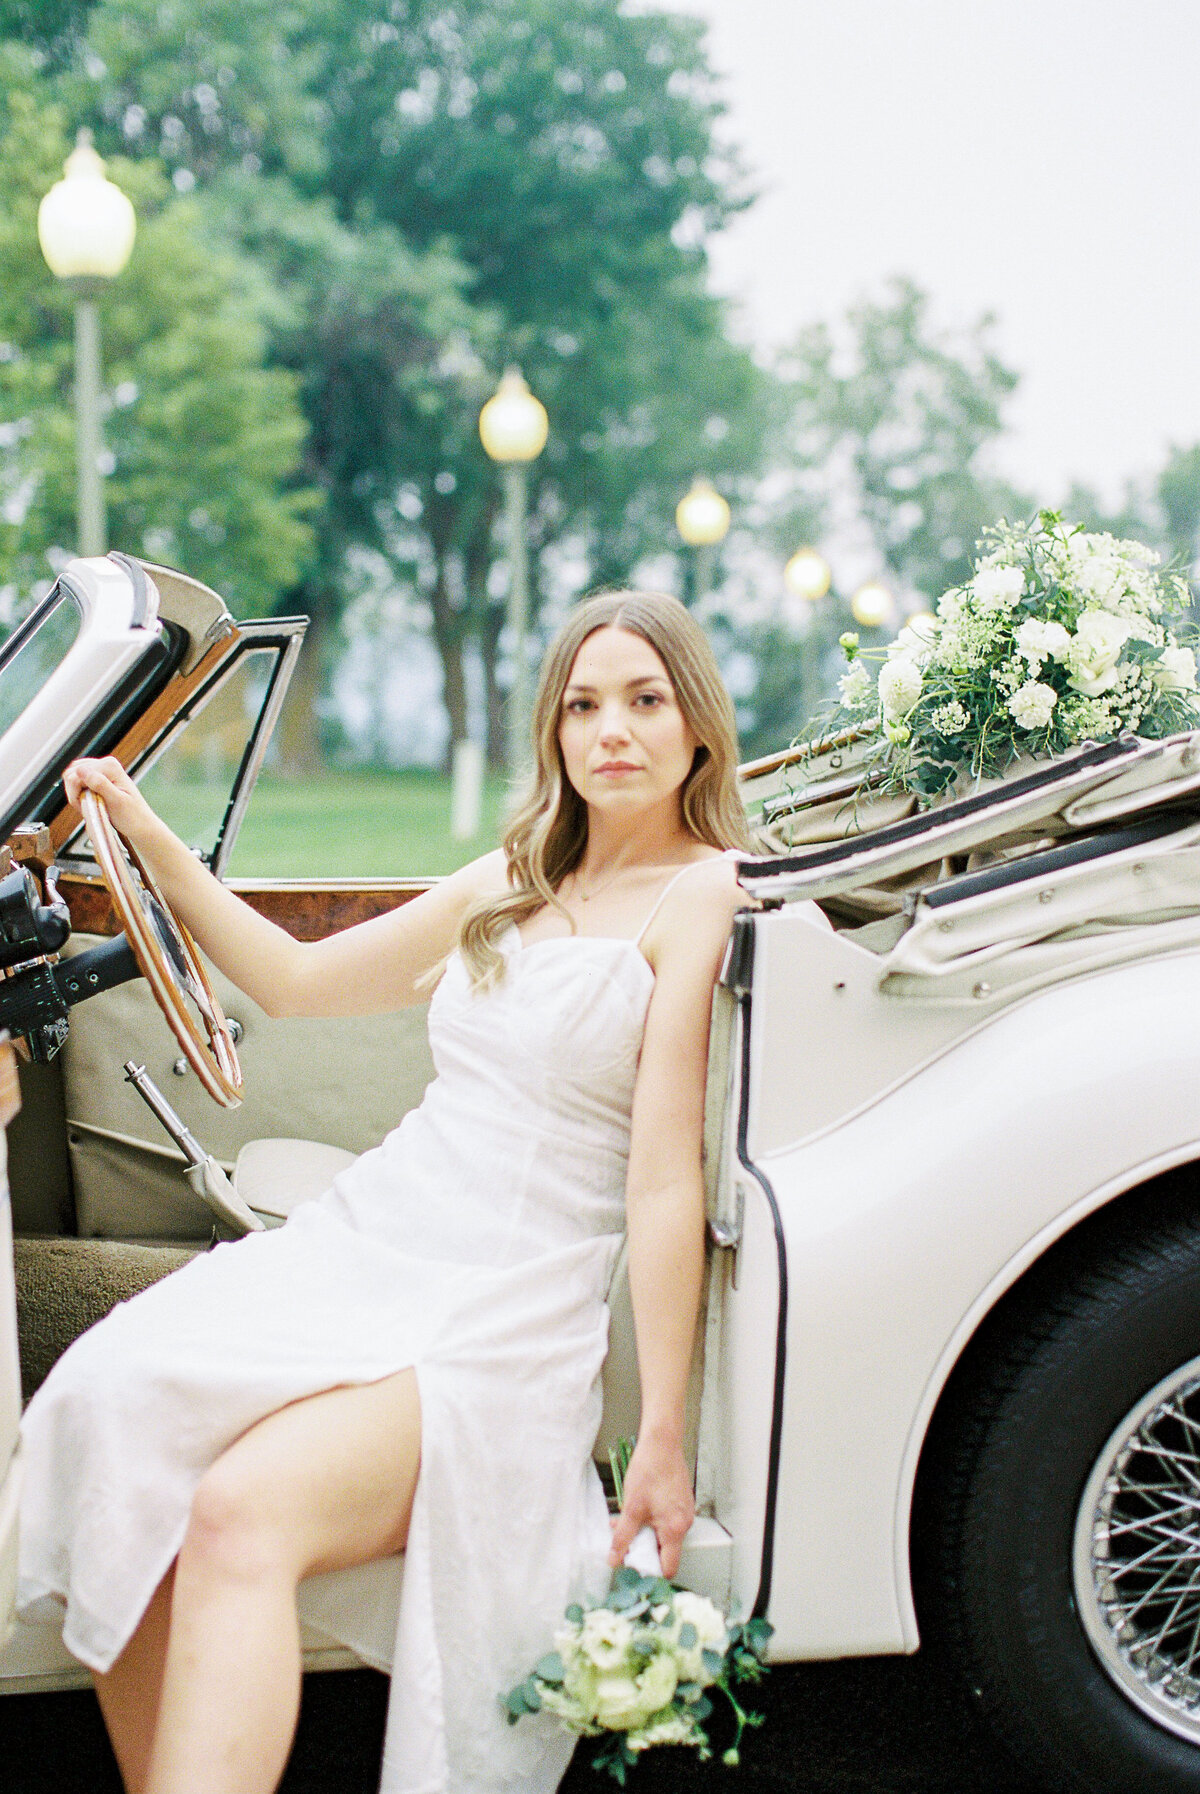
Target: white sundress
476,1245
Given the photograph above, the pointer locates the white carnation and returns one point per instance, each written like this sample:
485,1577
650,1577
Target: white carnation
900,684
998,588
1032,704
1040,641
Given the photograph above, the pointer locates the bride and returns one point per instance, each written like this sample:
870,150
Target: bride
412,1363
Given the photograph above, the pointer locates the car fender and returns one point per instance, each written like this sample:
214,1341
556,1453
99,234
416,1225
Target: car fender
902,1226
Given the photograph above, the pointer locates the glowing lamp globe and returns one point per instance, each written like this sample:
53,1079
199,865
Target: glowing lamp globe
808,574
871,605
86,225
702,516
513,425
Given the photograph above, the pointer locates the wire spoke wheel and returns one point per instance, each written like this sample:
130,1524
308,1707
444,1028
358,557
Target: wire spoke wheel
1137,1554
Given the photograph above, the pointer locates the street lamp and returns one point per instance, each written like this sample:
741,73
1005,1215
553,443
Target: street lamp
808,576
702,519
871,605
513,427
86,227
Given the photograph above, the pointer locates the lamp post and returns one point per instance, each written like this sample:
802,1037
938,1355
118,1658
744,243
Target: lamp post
702,519
808,576
513,427
86,227
872,604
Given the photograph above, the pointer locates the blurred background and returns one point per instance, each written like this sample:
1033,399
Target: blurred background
770,304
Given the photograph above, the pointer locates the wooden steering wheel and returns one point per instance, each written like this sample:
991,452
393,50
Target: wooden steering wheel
167,957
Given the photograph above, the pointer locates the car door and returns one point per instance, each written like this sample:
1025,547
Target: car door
10,1369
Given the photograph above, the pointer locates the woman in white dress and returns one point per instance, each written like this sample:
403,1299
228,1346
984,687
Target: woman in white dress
412,1363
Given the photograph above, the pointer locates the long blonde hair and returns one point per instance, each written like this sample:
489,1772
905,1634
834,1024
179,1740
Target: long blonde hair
546,838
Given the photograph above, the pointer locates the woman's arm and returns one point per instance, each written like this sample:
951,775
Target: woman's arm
364,970
665,1199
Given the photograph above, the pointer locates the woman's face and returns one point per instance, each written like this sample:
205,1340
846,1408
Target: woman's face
626,744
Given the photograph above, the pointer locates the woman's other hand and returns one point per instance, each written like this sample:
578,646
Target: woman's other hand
658,1494
131,814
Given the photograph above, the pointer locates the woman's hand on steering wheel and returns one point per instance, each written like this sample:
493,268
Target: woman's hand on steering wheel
658,1493
131,814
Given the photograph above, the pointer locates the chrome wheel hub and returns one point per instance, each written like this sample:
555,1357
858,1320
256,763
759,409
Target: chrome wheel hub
1137,1554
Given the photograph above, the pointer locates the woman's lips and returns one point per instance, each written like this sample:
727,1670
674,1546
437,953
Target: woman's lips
613,767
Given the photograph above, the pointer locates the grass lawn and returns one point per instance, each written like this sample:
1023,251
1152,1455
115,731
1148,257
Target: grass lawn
338,823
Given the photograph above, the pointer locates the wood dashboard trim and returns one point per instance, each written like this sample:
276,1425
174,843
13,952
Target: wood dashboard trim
309,909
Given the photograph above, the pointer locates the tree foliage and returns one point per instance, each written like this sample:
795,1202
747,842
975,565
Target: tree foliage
900,415
204,439
535,180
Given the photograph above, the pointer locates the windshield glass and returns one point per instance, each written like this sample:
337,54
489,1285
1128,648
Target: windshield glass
33,652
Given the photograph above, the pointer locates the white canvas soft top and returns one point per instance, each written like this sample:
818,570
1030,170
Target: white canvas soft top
1092,863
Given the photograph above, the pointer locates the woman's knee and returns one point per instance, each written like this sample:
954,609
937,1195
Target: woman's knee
236,1529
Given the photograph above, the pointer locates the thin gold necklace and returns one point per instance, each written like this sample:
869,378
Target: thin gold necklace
596,890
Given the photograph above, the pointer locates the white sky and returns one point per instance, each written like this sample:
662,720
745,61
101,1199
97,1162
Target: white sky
1039,159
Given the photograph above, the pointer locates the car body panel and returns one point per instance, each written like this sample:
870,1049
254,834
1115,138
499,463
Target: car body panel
903,1224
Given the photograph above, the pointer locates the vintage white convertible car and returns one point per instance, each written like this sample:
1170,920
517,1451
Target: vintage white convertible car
949,1375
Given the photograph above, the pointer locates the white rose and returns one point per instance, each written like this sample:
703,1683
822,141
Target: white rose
1031,704
658,1682
900,684
1174,670
619,1704
1038,641
998,588
915,639
1095,650
605,1638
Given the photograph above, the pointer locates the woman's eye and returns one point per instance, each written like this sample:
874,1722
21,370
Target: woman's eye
649,700
578,706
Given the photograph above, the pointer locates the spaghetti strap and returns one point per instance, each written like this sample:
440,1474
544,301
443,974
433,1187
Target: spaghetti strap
664,893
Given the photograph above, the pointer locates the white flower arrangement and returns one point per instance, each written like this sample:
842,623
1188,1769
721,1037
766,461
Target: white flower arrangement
636,1671
1060,637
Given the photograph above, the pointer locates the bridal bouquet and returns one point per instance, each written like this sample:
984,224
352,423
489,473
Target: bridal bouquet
1060,637
636,1671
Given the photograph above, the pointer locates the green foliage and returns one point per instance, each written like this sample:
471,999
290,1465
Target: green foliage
905,413
510,179
203,437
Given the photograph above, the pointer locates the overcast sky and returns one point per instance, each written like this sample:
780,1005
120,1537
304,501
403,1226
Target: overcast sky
1039,159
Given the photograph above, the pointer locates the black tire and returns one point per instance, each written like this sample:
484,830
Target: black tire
1102,1321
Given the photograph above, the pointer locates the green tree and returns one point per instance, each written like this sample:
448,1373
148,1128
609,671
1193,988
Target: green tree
564,150
900,416
205,442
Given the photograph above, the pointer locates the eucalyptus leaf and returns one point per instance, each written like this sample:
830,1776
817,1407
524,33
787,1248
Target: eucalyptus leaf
551,1668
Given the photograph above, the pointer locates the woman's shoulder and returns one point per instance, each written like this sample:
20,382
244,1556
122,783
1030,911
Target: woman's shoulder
702,899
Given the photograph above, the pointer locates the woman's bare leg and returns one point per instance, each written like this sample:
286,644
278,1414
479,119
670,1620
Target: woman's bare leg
323,1484
129,1692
